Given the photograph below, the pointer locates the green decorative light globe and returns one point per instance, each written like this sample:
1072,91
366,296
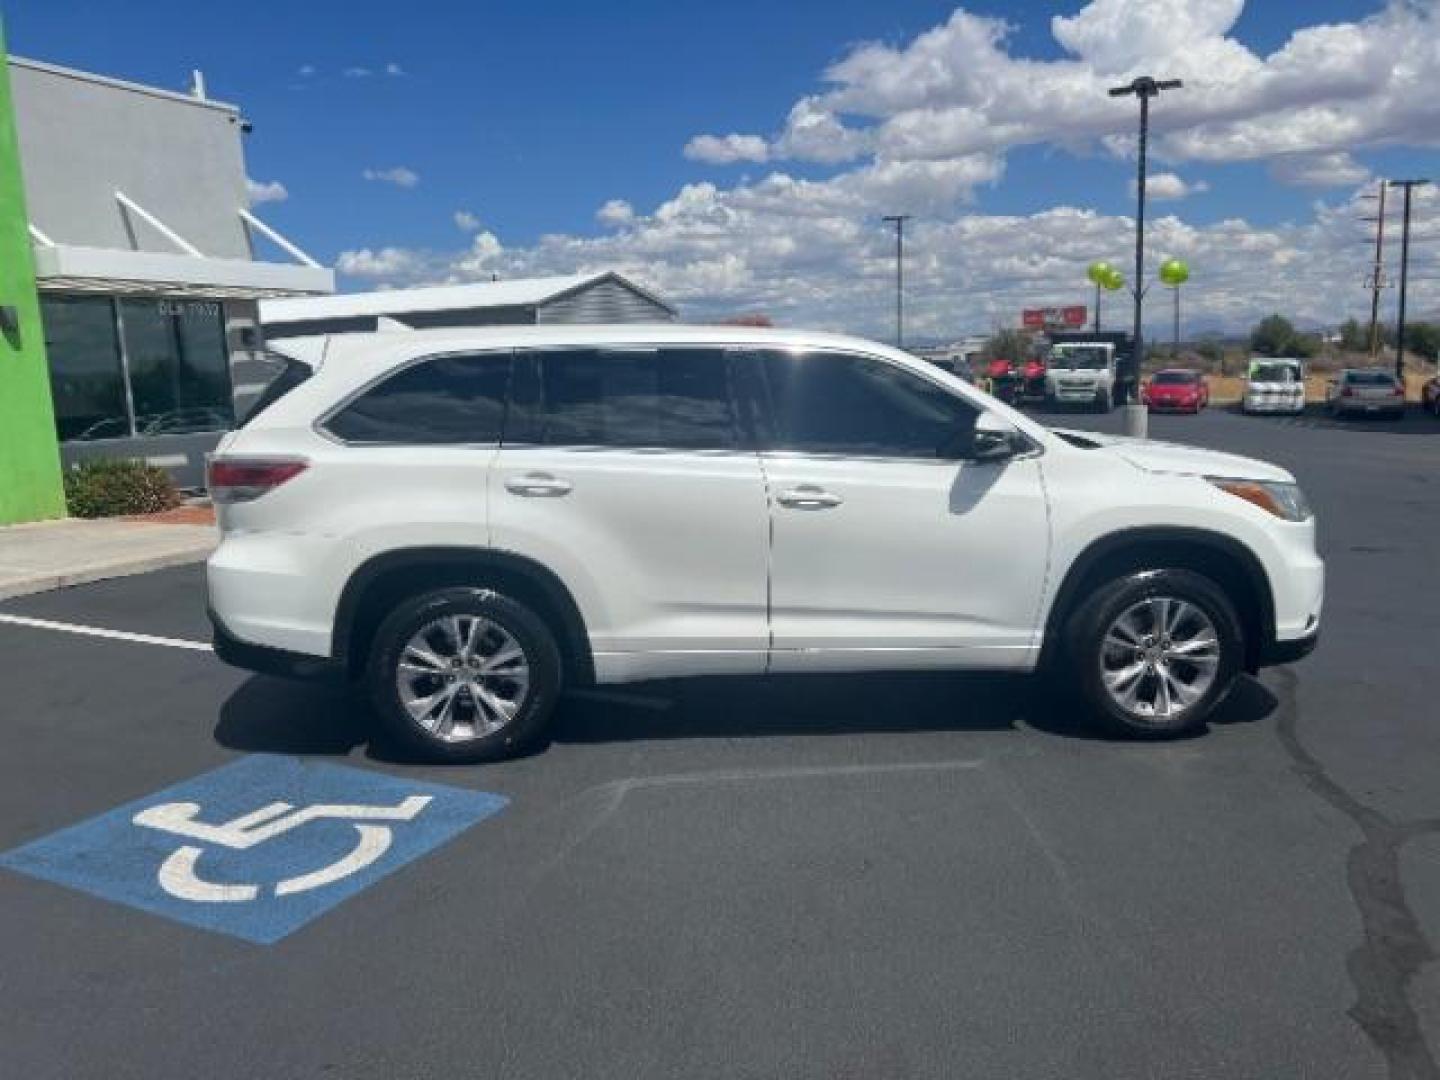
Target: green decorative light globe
1098,272
1173,272
1113,280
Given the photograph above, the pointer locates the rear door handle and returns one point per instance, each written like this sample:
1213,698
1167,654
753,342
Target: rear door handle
808,497
537,485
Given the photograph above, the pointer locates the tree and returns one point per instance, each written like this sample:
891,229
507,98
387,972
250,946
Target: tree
1353,336
1011,345
1212,352
1423,339
1274,335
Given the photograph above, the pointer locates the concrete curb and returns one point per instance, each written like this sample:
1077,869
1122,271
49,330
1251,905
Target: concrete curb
42,556
85,575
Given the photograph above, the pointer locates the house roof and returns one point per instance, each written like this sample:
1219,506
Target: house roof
519,292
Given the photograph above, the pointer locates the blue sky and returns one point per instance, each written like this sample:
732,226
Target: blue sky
531,117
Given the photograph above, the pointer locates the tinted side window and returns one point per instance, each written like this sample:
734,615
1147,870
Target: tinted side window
670,398
833,403
448,399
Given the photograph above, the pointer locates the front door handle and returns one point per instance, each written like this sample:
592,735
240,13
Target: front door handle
808,497
537,485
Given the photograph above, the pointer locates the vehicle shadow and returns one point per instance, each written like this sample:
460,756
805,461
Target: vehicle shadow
274,716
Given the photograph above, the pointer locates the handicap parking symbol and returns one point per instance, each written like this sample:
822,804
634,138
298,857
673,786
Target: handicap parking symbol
256,848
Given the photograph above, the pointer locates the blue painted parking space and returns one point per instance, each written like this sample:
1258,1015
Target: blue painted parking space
256,848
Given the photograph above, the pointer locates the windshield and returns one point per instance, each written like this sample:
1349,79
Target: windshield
1173,378
1273,373
1080,357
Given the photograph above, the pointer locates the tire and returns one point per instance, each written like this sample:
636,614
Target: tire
473,723
1198,610
1104,402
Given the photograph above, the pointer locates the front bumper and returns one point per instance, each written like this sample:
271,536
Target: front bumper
1278,406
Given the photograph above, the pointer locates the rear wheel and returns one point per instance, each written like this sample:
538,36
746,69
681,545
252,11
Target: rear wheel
1155,651
464,674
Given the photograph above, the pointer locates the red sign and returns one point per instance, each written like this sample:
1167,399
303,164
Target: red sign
1054,318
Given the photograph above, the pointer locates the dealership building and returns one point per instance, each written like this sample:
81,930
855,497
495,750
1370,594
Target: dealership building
131,268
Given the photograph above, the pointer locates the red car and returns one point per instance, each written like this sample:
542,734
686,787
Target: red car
1176,390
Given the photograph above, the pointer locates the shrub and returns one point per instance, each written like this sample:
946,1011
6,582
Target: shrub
109,487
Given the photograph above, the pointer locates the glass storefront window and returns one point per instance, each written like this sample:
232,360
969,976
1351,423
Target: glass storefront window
179,367
86,379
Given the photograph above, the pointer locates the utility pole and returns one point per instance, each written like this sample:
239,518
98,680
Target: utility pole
898,220
1377,274
1408,186
1145,87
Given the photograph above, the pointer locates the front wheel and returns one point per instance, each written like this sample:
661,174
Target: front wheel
1155,651
464,674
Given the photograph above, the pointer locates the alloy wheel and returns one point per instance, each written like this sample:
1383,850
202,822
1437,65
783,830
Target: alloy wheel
1159,657
462,677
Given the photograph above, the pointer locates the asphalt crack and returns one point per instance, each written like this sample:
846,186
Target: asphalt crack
1394,947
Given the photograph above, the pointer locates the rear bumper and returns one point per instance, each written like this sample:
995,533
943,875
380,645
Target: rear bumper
1289,652
265,660
1360,407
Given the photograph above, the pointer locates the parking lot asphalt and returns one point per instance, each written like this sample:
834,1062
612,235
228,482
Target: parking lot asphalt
922,876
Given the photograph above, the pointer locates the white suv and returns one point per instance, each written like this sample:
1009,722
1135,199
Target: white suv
469,521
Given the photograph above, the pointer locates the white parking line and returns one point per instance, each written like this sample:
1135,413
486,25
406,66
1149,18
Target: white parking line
101,632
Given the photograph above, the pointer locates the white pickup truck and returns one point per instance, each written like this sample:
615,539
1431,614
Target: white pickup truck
1081,373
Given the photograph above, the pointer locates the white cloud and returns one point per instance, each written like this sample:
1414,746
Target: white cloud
1168,186
465,221
958,89
357,72
306,70
922,126
263,191
726,149
387,262
398,175
1319,170
615,213
393,68
809,253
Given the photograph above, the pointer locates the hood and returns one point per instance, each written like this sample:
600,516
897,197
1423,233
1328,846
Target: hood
1176,459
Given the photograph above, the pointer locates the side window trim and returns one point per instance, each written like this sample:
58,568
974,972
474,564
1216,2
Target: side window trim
321,425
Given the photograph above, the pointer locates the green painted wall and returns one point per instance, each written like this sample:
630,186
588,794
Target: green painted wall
30,486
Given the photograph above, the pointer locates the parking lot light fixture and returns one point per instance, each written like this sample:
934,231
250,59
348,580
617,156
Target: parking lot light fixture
1144,87
898,220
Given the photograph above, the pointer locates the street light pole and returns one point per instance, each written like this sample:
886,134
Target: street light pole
1144,87
898,220
1407,186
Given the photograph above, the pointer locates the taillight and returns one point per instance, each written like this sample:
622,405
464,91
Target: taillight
238,479
1399,390
1347,392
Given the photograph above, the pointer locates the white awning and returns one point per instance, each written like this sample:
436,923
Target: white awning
62,267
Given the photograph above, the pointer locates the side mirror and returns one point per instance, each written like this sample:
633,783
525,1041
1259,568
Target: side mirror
994,439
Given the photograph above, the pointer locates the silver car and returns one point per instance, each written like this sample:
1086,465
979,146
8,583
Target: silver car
1366,392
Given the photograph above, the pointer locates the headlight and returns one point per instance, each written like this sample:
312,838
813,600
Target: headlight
1285,501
